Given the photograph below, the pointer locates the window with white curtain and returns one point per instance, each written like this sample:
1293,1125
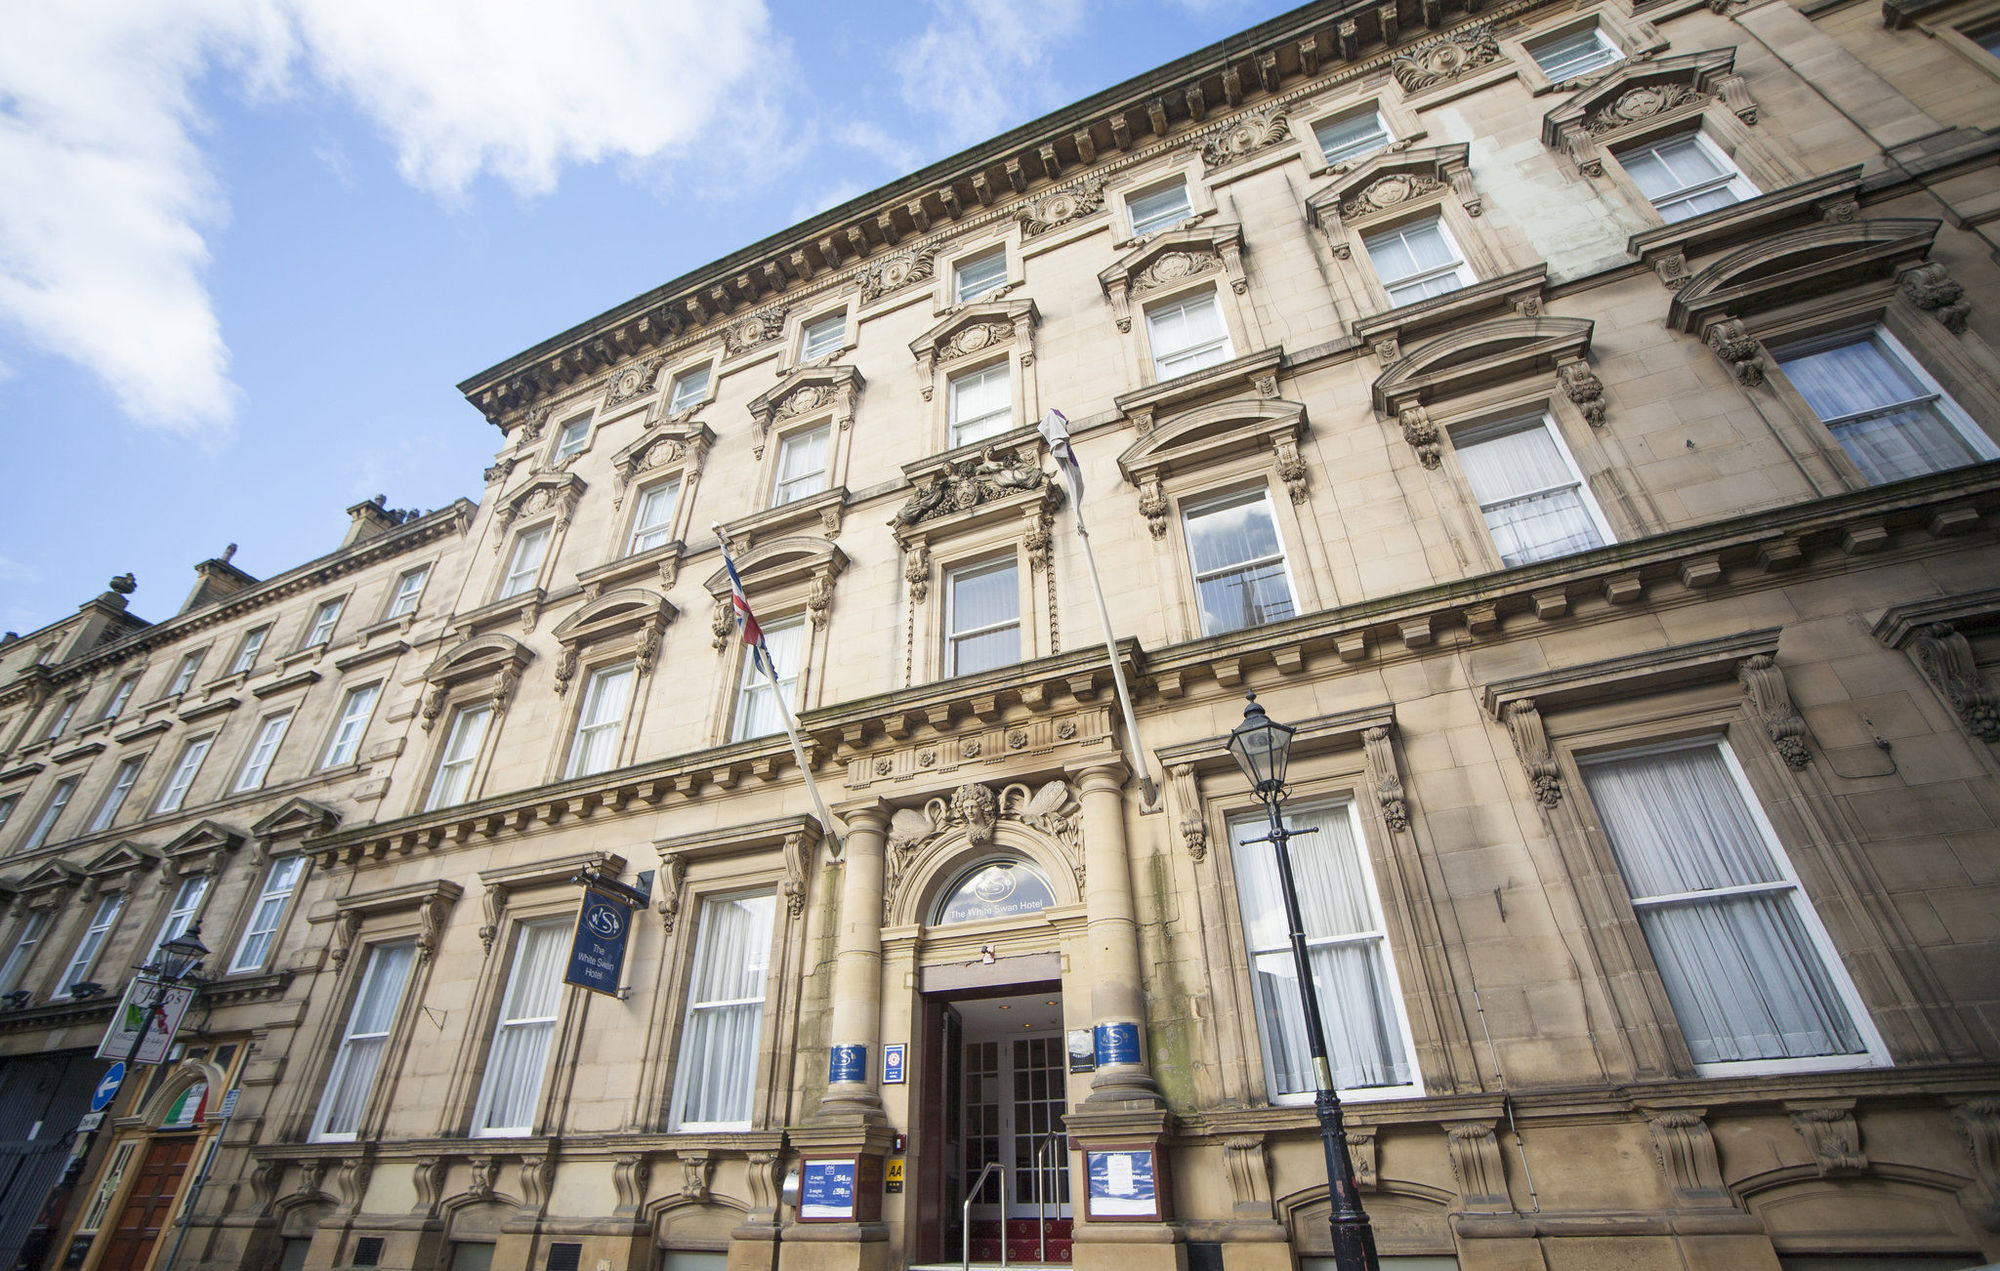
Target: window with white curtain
982,404
974,276
573,435
325,619
1747,966
352,1076
524,567
270,735
653,519
757,710
246,657
1187,335
690,387
1353,973
1158,206
101,921
30,935
119,697
802,464
51,813
181,914
983,616
1352,137
114,798
715,1080
183,774
1529,490
1239,562
822,336
409,590
520,1054
1565,57
354,712
184,674
1685,176
1886,412
1417,261
280,881
601,721
63,714
461,750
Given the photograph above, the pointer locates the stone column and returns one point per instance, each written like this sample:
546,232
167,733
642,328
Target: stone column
853,1036
1117,1001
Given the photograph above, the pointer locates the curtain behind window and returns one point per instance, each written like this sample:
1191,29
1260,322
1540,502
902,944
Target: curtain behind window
527,1025
715,1084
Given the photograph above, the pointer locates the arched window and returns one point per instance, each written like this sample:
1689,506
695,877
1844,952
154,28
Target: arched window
995,889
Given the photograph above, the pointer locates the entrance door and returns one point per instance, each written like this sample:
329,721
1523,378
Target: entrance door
151,1200
1012,1094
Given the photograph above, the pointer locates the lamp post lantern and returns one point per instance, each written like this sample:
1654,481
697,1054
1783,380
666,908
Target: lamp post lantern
175,962
1262,747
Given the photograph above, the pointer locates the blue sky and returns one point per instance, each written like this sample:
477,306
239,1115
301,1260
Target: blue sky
247,247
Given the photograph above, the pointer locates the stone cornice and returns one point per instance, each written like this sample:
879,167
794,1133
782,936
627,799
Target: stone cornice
1199,103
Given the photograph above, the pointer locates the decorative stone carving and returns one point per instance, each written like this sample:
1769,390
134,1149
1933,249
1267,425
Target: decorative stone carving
1361,1152
1187,797
753,331
345,928
1833,1136
560,493
1246,136
264,1182
721,623
1531,742
819,600
974,338
1979,1125
492,907
1582,150
1764,686
917,570
538,1174
765,1168
1384,777
1739,349
311,1175
565,670
629,1177
1249,1175
533,423
961,486
976,808
1059,207
1944,658
1388,191
1581,385
1153,506
431,916
427,1176
485,1169
1643,102
500,471
1422,435
818,387
632,380
688,442
352,1182
697,1172
1685,1150
794,887
1170,268
1291,469
1934,291
1445,58
674,876
1475,1162
906,269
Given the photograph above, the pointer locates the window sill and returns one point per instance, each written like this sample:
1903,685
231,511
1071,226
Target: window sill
285,684
208,709
499,611
1665,250
74,753
1259,371
827,508
363,657
1388,334
21,772
663,560
143,731
400,624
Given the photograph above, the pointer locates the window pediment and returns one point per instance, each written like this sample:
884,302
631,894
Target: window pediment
493,656
1169,259
805,392
634,612
560,491
1640,95
685,443
981,327
432,902
960,487
1799,264
1201,438
197,851
1472,357
1393,182
296,818
43,881
795,561
118,860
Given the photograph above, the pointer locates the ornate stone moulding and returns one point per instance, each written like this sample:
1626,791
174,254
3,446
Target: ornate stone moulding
487,666
1389,333
430,900
199,849
1167,260
1938,637
114,864
1255,372
1392,182
975,331
796,561
559,492
1209,435
633,618
795,838
1473,357
1040,814
1798,265
684,443
811,390
972,485
1641,96
1667,249
295,818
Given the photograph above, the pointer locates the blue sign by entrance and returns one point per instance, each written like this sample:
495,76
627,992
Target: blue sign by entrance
892,1063
1117,1043
597,957
826,1191
847,1063
107,1089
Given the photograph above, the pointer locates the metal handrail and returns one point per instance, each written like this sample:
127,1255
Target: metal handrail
965,1216
1041,1220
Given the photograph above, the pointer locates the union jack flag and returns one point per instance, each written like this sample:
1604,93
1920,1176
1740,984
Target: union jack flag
746,621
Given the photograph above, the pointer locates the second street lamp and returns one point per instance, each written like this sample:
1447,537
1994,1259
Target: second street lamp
1262,747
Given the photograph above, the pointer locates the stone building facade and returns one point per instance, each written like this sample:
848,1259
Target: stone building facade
1578,420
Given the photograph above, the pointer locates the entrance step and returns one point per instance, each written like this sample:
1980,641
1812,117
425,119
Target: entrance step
977,1265
1025,1241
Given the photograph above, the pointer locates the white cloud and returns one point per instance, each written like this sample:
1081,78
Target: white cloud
13,571
982,66
110,203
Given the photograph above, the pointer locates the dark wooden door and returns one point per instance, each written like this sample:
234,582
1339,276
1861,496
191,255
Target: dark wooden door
151,1200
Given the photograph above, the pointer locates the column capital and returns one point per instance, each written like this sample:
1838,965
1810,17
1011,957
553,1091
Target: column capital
1095,775
866,814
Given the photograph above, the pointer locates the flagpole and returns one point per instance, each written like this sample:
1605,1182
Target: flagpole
744,625
1056,432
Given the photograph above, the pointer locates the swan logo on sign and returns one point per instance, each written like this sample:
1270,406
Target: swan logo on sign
606,922
597,955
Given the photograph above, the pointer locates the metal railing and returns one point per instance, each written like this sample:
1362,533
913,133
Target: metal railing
1041,1218
965,1215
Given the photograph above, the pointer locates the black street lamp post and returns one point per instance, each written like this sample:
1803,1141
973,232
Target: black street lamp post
1262,747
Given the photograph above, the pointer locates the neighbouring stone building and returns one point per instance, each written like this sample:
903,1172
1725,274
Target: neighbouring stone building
1579,420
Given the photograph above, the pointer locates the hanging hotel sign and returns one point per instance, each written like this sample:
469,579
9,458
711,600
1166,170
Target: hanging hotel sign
131,1017
597,955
